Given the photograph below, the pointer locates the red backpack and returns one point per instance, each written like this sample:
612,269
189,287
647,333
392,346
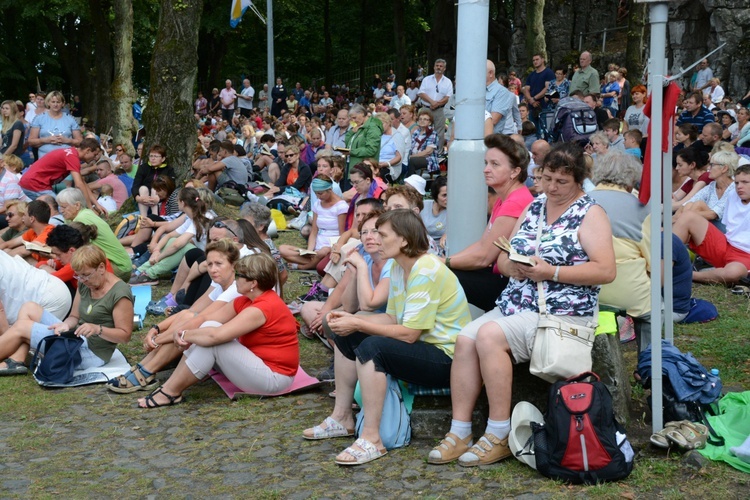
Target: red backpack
580,441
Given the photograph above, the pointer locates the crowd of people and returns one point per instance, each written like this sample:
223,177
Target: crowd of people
364,183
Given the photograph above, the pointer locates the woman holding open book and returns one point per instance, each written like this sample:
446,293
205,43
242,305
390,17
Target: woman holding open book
505,171
329,219
567,240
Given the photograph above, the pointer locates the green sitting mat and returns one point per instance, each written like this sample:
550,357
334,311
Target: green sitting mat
733,424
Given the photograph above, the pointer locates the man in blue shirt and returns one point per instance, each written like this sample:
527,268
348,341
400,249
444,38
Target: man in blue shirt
695,112
536,86
499,102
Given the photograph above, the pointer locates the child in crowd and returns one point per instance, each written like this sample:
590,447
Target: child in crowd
612,131
105,198
632,142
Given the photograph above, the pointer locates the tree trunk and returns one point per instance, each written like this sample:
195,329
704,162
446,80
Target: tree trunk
327,44
100,106
634,49
399,31
168,116
123,95
535,42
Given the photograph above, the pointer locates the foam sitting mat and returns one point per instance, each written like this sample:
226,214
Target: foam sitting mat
302,382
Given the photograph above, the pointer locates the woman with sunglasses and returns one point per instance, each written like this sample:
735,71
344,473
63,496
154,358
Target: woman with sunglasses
159,341
252,340
293,173
102,316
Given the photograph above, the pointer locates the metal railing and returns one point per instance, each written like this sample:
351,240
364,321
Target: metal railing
603,32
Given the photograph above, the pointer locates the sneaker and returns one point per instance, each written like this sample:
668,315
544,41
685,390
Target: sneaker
627,330
157,308
295,306
143,279
316,293
292,210
326,375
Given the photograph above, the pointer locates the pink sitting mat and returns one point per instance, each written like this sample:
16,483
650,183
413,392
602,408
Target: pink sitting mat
302,381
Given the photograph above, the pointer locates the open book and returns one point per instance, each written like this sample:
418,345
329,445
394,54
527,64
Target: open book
503,244
304,251
34,246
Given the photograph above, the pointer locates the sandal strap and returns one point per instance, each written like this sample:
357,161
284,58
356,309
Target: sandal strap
142,379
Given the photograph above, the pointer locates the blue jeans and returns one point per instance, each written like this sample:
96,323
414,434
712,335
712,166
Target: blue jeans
418,363
41,330
36,194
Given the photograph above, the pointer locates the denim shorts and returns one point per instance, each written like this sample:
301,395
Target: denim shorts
41,330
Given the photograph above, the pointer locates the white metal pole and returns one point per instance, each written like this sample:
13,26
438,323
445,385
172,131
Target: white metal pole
467,192
658,18
269,38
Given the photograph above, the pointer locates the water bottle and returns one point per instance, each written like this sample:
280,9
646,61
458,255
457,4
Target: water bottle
715,372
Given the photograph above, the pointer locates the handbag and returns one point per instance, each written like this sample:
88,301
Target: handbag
561,348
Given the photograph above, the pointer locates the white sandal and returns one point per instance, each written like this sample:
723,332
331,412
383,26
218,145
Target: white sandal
332,429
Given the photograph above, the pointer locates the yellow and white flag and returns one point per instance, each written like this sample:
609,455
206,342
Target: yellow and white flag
238,9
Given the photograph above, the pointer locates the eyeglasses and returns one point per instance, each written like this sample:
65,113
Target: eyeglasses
356,182
364,233
243,276
84,277
712,165
9,215
289,155
221,225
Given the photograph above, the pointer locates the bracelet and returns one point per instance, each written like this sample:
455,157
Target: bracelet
156,327
448,262
182,335
100,331
556,275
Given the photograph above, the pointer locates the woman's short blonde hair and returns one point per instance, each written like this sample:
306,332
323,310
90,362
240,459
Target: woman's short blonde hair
226,247
20,206
600,137
14,163
729,159
88,256
260,267
51,95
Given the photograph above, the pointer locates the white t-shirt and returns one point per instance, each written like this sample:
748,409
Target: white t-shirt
413,93
328,222
246,104
21,283
189,227
228,295
736,219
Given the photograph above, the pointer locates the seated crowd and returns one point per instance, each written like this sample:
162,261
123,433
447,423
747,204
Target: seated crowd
388,301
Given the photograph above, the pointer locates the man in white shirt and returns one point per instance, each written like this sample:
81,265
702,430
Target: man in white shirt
413,91
263,98
379,91
404,131
702,77
227,97
335,136
435,91
401,98
245,98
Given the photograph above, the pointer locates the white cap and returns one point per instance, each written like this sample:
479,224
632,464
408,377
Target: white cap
417,182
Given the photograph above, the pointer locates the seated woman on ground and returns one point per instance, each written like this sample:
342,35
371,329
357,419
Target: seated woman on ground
329,216
692,165
253,341
413,347
363,182
349,292
102,315
575,257
167,252
505,174
14,212
145,196
375,167
193,267
728,253
168,210
424,140
159,341
72,203
292,172
64,240
710,201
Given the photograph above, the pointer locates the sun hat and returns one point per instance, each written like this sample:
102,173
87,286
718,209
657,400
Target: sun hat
417,182
520,431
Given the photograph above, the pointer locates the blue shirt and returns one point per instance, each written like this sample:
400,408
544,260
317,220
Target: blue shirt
498,99
48,126
703,117
536,80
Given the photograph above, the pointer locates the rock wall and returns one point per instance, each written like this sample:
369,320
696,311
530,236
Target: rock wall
698,26
695,27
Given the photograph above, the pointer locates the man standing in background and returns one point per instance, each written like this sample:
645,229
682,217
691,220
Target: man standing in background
435,91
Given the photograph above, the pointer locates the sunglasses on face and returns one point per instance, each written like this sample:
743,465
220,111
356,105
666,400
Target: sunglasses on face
243,276
289,155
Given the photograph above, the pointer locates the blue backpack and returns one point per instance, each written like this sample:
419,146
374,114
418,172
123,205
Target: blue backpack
395,422
55,359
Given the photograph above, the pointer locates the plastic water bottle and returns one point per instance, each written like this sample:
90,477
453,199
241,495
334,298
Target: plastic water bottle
715,372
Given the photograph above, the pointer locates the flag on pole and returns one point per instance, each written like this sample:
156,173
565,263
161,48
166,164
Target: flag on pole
238,10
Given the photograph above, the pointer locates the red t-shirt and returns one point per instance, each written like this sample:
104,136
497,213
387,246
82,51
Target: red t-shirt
276,342
687,186
40,238
513,206
51,169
